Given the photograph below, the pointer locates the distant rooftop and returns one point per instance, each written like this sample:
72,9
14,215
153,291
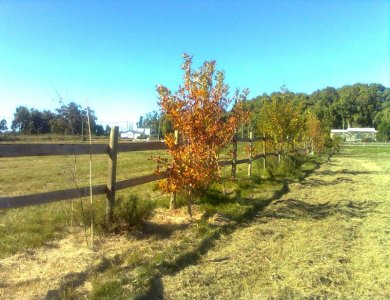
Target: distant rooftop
350,129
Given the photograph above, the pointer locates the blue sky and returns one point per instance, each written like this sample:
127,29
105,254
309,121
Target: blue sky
113,54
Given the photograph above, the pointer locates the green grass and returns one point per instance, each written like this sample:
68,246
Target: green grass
30,175
31,227
328,238
160,251
141,268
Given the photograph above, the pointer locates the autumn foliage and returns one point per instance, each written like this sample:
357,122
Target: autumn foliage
282,119
199,111
315,134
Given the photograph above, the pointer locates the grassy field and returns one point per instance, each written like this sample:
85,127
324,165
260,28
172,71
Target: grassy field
274,236
30,227
44,246
327,238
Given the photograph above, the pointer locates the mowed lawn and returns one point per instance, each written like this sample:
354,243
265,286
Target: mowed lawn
328,238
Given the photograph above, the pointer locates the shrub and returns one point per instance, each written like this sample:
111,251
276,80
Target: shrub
286,166
131,212
368,140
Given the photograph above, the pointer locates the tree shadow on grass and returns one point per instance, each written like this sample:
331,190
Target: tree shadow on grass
156,288
76,279
348,172
296,209
161,231
315,182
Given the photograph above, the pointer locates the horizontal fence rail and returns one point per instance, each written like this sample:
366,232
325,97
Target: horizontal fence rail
43,198
19,150
124,184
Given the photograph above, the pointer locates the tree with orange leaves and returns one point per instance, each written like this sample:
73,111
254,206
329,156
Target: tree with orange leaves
198,110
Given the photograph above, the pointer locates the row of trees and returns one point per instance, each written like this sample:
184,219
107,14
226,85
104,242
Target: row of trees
199,111
285,119
358,105
69,119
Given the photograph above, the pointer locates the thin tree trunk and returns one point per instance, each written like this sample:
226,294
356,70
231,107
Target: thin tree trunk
172,202
90,178
189,203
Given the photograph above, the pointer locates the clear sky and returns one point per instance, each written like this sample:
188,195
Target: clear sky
113,54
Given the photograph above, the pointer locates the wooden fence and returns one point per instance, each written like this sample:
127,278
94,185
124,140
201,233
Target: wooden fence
112,149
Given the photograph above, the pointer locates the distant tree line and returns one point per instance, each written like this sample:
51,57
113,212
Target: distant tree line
358,105
69,119
159,124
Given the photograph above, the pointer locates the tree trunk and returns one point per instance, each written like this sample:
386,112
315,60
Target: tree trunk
189,203
172,203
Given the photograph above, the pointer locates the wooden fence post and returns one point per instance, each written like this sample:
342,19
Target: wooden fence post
172,202
113,154
250,154
234,160
264,159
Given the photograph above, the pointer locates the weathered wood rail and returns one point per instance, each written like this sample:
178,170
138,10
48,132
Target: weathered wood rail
19,150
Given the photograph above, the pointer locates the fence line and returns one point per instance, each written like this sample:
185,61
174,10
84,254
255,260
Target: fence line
19,150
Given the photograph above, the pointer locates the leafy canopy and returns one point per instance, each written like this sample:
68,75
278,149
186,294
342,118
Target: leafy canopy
199,111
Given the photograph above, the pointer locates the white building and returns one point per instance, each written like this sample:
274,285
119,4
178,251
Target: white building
354,134
137,133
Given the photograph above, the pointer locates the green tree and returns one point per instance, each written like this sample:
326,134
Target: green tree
38,124
107,130
321,102
140,123
384,126
99,130
281,117
21,120
3,125
72,119
153,121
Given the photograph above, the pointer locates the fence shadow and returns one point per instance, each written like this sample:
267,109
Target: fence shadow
156,288
161,231
314,182
76,279
348,172
294,209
